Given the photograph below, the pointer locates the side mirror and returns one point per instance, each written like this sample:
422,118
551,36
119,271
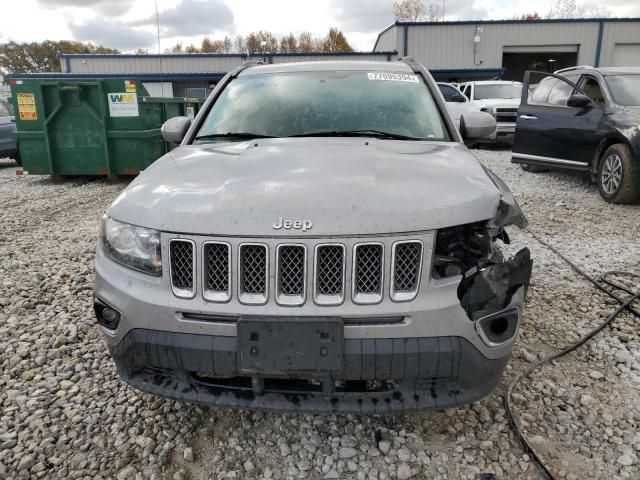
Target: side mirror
458,98
578,100
174,129
475,125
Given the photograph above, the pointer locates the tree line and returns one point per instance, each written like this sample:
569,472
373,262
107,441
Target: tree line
37,57
42,57
267,42
418,11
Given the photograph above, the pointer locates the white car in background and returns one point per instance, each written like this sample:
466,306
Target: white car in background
499,98
456,102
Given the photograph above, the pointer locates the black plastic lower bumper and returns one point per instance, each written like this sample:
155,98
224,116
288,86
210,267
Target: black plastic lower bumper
377,376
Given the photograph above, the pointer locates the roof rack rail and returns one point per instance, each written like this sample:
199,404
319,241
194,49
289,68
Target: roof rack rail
577,67
246,64
411,62
250,62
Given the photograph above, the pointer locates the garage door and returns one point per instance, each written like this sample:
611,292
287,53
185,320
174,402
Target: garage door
626,55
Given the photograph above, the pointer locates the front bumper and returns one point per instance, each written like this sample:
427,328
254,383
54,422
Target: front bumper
504,133
378,376
435,356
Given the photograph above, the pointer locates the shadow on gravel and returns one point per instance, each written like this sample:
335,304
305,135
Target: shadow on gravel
579,178
492,146
77,181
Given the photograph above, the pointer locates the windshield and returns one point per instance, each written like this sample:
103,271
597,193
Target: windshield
506,90
307,103
625,89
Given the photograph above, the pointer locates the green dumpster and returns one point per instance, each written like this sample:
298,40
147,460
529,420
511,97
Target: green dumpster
89,126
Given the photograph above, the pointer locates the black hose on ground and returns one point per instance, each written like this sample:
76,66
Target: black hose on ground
623,304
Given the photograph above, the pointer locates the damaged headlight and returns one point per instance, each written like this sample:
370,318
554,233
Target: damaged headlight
464,249
135,247
461,248
509,212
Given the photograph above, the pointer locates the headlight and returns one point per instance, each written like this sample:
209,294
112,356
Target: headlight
135,247
459,249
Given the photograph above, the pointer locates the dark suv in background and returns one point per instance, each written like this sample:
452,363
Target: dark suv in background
8,146
585,119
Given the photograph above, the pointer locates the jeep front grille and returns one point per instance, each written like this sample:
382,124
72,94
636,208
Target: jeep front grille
217,262
368,272
253,273
291,274
182,267
406,261
309,269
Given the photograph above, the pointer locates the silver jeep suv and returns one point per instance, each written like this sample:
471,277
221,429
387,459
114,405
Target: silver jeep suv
320,241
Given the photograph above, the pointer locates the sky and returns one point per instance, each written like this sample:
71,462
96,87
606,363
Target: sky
131,24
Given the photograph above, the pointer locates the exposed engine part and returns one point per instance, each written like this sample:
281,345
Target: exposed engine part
466,248
488,281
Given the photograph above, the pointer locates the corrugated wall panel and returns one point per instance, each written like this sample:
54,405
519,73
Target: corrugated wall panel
152,64
189,64
388,41
619,33
451,46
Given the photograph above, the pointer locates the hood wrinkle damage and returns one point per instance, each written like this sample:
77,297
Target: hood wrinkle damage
340,184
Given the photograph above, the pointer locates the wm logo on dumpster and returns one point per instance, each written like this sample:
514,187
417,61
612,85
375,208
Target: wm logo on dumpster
122,97
122,104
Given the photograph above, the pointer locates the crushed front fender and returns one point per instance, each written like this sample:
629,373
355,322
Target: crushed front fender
490,289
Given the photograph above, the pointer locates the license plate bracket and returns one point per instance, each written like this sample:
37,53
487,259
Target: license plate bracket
290,345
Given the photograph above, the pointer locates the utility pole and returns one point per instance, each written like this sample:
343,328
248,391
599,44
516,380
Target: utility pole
443,7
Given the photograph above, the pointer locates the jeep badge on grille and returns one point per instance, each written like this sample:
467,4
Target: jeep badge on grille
303,224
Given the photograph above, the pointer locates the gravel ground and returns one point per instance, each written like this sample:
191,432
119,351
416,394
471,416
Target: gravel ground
65,413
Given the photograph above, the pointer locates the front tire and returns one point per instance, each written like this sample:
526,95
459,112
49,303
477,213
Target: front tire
618,175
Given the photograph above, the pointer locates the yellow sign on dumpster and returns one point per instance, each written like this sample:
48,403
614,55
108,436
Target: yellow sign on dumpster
27,106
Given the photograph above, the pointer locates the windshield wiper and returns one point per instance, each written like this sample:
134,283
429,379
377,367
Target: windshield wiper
358,133
238,135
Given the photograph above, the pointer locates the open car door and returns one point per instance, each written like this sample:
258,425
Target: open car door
557,123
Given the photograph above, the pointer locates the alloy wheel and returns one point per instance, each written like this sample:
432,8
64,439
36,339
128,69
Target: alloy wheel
611,176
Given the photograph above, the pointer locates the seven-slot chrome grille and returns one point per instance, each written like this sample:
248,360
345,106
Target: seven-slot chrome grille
317,270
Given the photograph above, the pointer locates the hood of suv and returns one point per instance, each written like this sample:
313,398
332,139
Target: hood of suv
632,112
498,102
340,186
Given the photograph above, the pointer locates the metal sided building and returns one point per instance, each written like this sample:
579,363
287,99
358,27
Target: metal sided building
465,50
186,75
